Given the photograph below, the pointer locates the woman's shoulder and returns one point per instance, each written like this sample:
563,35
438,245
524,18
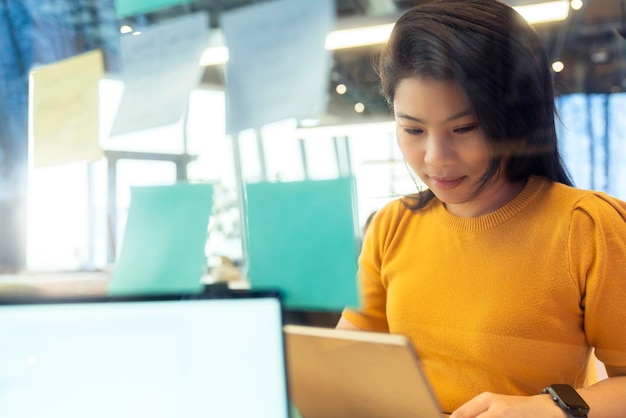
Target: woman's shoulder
592,202
404,206
393,220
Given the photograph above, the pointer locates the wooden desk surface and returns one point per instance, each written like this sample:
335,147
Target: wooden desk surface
58,284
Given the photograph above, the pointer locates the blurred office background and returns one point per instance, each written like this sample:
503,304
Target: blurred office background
70,215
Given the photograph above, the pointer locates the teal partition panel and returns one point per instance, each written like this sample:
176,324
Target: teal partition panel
303,240
164,239
126,8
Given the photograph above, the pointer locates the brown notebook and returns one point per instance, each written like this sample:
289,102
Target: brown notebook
339,373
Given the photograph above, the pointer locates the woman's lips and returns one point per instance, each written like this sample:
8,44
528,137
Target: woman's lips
446,183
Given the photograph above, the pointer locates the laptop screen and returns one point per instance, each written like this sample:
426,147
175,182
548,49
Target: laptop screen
151,357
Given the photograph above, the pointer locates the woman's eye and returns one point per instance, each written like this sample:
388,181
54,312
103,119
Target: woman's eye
465,129
413,131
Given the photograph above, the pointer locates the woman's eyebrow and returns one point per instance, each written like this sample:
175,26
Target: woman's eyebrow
467,112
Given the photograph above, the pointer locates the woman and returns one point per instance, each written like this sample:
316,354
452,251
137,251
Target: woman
504,275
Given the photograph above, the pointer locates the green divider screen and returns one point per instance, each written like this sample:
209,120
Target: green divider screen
164,239
126,8
303,240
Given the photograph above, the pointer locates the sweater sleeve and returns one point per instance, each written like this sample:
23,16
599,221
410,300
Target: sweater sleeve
372,315
598,262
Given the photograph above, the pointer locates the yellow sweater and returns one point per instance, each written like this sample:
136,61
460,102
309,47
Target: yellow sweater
509,302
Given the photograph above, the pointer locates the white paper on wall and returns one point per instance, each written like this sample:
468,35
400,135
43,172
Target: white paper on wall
278,66
160,67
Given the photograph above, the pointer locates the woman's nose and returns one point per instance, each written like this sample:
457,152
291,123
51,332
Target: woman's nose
439,150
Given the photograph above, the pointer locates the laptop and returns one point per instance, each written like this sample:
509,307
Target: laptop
157,357
337,373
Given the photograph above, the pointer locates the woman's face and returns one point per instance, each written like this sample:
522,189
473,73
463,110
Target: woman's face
441,139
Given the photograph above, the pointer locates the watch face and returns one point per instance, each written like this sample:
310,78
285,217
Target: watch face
570,398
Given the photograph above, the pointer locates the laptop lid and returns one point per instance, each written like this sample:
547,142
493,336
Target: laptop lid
336,373
159,356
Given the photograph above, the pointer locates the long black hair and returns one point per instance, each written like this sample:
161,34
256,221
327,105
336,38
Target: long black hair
497,59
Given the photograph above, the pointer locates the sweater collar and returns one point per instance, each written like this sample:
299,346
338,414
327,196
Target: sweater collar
533,187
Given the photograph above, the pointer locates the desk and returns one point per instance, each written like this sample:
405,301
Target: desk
81,284
58,284
95,283
69,284
313,318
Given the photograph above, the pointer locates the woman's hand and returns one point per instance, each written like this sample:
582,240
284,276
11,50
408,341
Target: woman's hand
491,405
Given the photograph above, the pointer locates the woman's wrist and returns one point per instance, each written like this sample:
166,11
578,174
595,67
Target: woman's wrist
555,410
568,400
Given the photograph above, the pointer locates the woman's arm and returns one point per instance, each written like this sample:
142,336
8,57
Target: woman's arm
347,325
606,399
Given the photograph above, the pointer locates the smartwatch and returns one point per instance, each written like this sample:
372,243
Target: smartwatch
568,399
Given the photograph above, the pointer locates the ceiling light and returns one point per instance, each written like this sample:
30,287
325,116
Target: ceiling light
350,38
378,34
558,66
548,11
576,4
309,123
214,55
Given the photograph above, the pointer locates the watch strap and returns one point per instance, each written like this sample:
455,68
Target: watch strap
579,409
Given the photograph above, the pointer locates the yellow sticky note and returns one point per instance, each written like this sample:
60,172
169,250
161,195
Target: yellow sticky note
64,117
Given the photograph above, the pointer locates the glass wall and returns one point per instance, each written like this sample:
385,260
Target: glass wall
76,211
